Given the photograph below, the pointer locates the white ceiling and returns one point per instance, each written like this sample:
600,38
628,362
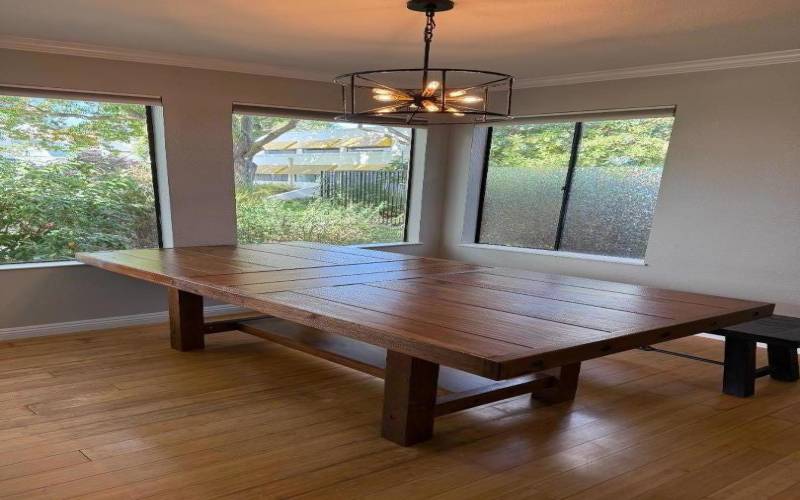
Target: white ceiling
322,38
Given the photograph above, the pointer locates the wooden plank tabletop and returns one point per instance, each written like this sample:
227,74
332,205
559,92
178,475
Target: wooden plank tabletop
494,322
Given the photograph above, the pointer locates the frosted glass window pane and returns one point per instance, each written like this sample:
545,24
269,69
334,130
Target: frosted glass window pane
615,186
523,191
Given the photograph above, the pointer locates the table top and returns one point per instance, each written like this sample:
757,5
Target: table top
495,322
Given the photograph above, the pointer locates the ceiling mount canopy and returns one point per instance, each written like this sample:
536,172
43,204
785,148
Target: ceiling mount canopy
426,95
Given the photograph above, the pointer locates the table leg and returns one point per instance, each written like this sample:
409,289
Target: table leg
185,320
409,398
739,374
783,363
565,388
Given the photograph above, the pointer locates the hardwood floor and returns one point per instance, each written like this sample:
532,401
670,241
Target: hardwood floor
118,414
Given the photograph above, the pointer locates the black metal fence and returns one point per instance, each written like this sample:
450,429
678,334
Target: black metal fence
385,189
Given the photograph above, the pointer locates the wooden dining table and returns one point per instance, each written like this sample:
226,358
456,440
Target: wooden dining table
445,335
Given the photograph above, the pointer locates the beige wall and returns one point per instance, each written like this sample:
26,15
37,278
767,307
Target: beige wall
727,221
197,117
728,216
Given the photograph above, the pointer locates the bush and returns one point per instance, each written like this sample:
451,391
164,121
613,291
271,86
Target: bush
50,212
260,220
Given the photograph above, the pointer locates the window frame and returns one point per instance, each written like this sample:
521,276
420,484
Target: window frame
152,155
151,145
409,182
566,189
327,116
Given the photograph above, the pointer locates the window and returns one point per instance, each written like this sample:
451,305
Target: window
75,176
586,187
320,180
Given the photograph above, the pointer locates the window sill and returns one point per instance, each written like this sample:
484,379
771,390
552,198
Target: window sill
40,265
551,253
387,245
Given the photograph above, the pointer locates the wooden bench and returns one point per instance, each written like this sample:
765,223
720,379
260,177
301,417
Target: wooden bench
782,336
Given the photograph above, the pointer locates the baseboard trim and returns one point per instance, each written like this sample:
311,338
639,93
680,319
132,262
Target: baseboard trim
21,332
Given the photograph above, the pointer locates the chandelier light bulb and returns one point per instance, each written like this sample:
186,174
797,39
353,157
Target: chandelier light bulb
430,88
391,97
430,106
457,93
467,99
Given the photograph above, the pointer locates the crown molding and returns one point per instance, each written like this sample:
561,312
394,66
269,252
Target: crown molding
208,63
149,57
733,62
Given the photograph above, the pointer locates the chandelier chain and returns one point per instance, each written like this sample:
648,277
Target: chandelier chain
429,25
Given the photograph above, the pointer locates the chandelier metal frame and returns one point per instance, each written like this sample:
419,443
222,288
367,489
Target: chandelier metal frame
372,96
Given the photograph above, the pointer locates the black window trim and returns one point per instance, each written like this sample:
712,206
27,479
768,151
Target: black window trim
151,140
567,187
409,178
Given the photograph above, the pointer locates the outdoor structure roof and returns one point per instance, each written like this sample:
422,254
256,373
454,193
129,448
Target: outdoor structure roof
330,139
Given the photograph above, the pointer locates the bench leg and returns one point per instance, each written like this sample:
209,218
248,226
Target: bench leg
409,398
185,320
739,374
783,362
566,387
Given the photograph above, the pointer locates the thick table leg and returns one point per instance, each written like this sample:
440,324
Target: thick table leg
409,398
185,320
739,374
566,387
783,362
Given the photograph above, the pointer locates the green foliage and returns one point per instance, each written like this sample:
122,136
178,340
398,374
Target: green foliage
608,143
257,192
625,143
532,146
98,195
72,126
50,212
260,220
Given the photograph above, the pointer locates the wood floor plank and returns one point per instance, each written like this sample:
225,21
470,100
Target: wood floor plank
287,424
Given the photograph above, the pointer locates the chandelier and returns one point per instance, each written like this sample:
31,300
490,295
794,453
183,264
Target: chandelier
426,95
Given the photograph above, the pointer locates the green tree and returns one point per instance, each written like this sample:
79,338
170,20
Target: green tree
603,143
618,143
71,127
250,134
96,194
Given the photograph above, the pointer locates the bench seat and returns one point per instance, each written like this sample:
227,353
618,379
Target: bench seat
782,336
